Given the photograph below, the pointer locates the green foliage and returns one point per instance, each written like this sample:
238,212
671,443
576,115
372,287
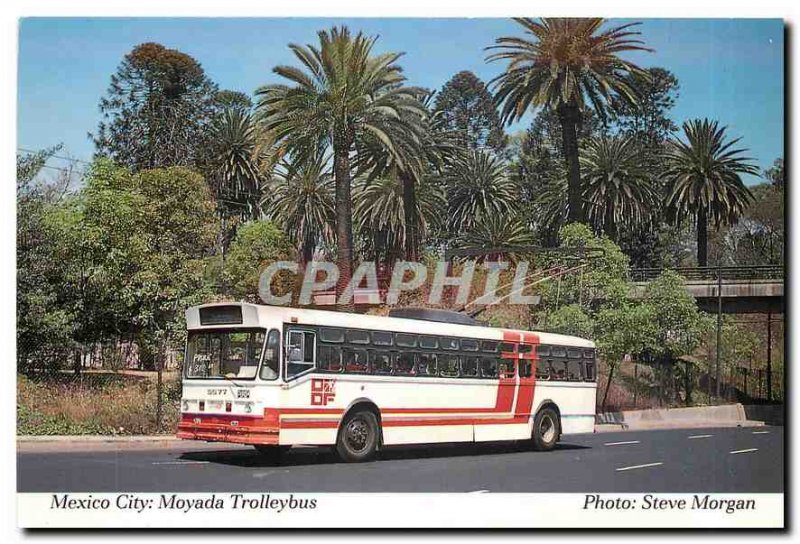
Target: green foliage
679,324
344,96
257,244
478,187
704,176
604,280
382,220
469,113
157,110
565,61
626,329
239,162
130,249
302,203
616,184
569,319
567,66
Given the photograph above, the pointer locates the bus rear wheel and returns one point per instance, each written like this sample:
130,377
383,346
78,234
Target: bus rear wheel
546,429
358,437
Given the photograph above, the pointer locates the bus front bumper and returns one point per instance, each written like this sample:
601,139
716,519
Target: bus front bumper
226,429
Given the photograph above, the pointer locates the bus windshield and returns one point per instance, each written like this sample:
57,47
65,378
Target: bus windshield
224,353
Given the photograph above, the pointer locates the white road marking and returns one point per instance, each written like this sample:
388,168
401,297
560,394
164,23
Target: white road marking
181,462
744,451
480,491
760,432
639,466
700,436
621,443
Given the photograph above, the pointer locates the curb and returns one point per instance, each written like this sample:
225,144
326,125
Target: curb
682,424
97,438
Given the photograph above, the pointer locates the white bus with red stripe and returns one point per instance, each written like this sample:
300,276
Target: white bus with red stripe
274,377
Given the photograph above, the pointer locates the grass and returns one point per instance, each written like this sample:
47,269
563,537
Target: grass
105,403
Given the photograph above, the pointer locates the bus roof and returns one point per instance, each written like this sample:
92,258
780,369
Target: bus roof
257,315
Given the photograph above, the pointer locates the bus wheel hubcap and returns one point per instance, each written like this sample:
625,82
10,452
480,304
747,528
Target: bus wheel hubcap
547,429
357,433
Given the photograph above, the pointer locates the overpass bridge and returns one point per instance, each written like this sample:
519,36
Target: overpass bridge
733,289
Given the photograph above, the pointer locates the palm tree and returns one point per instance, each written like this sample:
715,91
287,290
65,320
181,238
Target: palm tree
382,218
565,65
240,160
478,187
616,184
343,94
302,203
703,175
424,151
498,231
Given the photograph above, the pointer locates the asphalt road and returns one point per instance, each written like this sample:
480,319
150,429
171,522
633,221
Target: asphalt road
689,460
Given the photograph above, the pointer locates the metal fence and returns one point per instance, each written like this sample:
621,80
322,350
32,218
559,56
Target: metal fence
711,273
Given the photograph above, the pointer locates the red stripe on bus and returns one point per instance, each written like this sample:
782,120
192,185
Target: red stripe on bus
311,410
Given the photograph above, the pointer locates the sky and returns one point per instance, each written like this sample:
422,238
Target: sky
728,69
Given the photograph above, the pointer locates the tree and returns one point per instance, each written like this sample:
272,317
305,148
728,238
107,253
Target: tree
157,110
679,324
617,186
478,187
506,231
257,244
647,120
704,177
383,222
227,99
345,94
427,146
623,330
302,203
241,159
44,326
469,112
566,65
776,174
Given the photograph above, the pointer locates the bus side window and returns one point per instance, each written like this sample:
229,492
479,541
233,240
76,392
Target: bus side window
559,369
299,352
506,368
448,366
269,369
574,373
380,362
543,369
404,364
330,359
588,366
524,368
426,364
488,367
355,360
469,366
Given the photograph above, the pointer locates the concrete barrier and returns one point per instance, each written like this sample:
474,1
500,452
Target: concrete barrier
727,415
771,414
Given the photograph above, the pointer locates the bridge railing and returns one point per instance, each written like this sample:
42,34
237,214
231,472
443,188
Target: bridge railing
709,273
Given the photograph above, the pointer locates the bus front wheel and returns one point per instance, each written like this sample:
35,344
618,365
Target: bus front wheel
358,437
546,429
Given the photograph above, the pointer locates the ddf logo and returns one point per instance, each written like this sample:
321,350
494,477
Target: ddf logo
323,391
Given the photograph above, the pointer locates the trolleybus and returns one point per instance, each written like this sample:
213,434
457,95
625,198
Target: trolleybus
274,377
